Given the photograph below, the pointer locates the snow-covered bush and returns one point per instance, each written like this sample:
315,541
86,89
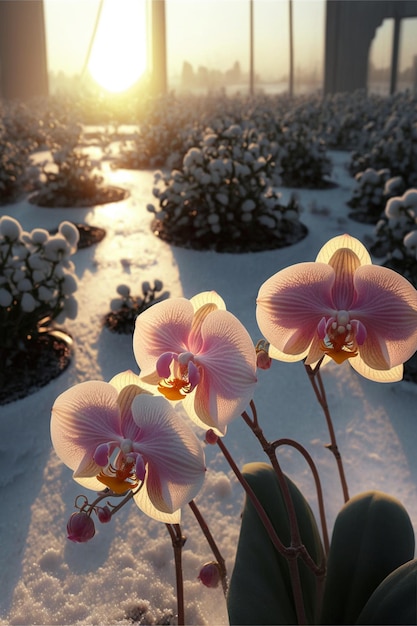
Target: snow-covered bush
170,127
349,120
37,279
74,176
302,156
225,197
18,174
126,307
396,235
394,147
373,190
292,128
25,123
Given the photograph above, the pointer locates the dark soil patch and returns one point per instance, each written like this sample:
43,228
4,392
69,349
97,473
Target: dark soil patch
121,322
256,239
89,235
319,184
46,198
364,217
41,359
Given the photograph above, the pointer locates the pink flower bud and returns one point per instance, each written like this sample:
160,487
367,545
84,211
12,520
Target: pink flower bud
80,527
210,574
211,437
263,360
104,514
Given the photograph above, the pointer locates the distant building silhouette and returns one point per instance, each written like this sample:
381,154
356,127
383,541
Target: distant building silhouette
350,28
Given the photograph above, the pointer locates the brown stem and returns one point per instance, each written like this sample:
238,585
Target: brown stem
291,553
314,471
269,449
178,541
212,543
318,387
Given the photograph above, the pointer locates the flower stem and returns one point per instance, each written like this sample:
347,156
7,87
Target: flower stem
210,539
291,553
318,387
314,471
178,541
269,449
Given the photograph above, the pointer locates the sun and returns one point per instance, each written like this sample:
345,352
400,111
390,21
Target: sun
119,53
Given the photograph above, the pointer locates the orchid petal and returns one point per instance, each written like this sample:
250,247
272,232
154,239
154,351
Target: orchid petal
200,411
174,457
145,505
204,304
291,304
164,327
124,379
127,394
208,297
315,352
89,482
194,339
345,263
386,303
392,375
228,368
274,353
83,417
344,241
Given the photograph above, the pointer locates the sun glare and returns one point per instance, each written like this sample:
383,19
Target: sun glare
118,57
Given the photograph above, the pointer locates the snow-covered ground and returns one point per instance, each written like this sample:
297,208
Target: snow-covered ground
46,579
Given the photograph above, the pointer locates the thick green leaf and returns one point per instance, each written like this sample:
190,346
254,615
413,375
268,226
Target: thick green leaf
394,601
260,588
372,536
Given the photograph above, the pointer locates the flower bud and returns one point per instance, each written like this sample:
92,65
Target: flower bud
104,514
80,527
210,574
263,360
211,437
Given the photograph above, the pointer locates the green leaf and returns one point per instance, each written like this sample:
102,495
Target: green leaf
260,587
394,601
372,536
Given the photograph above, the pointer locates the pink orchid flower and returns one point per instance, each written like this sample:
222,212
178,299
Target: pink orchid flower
341,307
198,352
119,436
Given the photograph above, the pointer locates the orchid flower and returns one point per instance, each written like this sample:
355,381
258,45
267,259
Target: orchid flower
196,351
342,307
119,436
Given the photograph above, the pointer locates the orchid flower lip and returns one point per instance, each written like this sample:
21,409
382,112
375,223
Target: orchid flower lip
182,379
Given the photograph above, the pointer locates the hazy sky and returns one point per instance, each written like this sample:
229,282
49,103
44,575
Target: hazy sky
214,33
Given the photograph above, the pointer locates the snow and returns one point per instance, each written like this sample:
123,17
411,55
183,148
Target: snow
128,566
